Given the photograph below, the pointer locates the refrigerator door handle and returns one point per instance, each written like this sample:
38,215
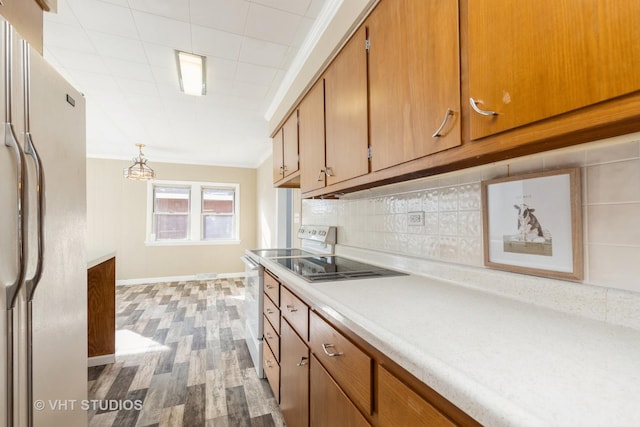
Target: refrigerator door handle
32,283
13,289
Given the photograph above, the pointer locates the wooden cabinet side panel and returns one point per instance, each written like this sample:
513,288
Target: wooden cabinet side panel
101,298
398,405
294,379
346,115
290,144
278,156
530,61
311,128
329,406
414,79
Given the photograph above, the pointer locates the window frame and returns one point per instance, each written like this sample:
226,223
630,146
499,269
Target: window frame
196,217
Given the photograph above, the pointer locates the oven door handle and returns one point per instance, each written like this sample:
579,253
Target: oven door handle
250,263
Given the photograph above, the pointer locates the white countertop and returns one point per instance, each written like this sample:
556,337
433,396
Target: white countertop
502,361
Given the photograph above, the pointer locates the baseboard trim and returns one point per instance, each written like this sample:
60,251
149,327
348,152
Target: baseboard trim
101,360
200,276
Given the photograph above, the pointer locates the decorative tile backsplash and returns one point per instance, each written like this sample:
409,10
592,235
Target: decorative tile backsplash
377,219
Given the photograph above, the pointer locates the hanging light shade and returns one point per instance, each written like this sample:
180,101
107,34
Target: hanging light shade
139,171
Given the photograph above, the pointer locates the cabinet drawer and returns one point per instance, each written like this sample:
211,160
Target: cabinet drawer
272,313
272,371
272,288
348,365
272,338
296,312
398,405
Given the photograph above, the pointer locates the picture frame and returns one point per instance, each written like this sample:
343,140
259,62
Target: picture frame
532,224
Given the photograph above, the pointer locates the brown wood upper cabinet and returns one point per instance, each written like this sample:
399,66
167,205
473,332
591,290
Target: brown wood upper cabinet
285,151
346,119
414,80
311,128
532,60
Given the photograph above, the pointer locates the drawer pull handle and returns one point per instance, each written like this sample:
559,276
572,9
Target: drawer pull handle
474,104
291,308
330,353
268,363
269,336
448,114
269,286
303,361
269,311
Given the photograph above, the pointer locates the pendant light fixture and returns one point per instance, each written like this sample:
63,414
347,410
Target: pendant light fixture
139,171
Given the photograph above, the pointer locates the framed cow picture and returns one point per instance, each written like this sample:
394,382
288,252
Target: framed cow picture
533,224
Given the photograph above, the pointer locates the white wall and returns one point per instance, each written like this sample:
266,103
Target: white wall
377,218
116,217
266,205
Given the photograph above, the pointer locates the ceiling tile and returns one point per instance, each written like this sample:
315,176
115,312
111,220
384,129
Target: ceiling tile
160,56
64,15
69,37
207,41
105,17
118,47
80,61
137,87
219,68
224,15
272,25
174,9
261,52
166,77
255,74
128,69
299,7
164,31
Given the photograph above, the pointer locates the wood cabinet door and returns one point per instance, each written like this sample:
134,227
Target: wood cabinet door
311,128
532,60
290,145
329,405
277,156
414,80
294,377
398,405
347,135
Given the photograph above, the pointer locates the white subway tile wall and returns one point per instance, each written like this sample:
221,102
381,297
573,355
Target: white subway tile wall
377,219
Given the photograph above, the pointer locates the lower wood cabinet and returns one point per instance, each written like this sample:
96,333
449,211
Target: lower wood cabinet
329,405
272,371
398,405
294,377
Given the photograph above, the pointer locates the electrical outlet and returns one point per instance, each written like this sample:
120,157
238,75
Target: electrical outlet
415,218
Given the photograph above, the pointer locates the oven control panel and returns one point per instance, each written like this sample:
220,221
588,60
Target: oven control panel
318,233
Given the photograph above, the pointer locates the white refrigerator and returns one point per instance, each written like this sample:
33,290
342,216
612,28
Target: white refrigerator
43,345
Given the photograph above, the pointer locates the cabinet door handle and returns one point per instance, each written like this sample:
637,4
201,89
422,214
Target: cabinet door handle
320,174
325,348
328,171
269,286
303,361
268,363
269,311
269,336
474,104
449,113
291,308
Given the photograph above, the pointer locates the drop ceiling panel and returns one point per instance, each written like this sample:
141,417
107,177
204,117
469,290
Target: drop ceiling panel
120,54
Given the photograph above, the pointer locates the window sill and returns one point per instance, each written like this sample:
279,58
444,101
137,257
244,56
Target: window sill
192,242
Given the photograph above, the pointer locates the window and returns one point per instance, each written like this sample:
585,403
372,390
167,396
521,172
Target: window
192,213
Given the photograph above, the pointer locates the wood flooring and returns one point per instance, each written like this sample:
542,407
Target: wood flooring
181,360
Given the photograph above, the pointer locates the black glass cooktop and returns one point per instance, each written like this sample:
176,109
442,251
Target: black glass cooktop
329,268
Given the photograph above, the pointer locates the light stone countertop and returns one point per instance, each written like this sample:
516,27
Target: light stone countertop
502,361
98,257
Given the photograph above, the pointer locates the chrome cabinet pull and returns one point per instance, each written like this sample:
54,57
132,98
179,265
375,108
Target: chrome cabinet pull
449,113
325,348
303,361
474,104
320,174
291,308
269,336
268,363
328,171
269,311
